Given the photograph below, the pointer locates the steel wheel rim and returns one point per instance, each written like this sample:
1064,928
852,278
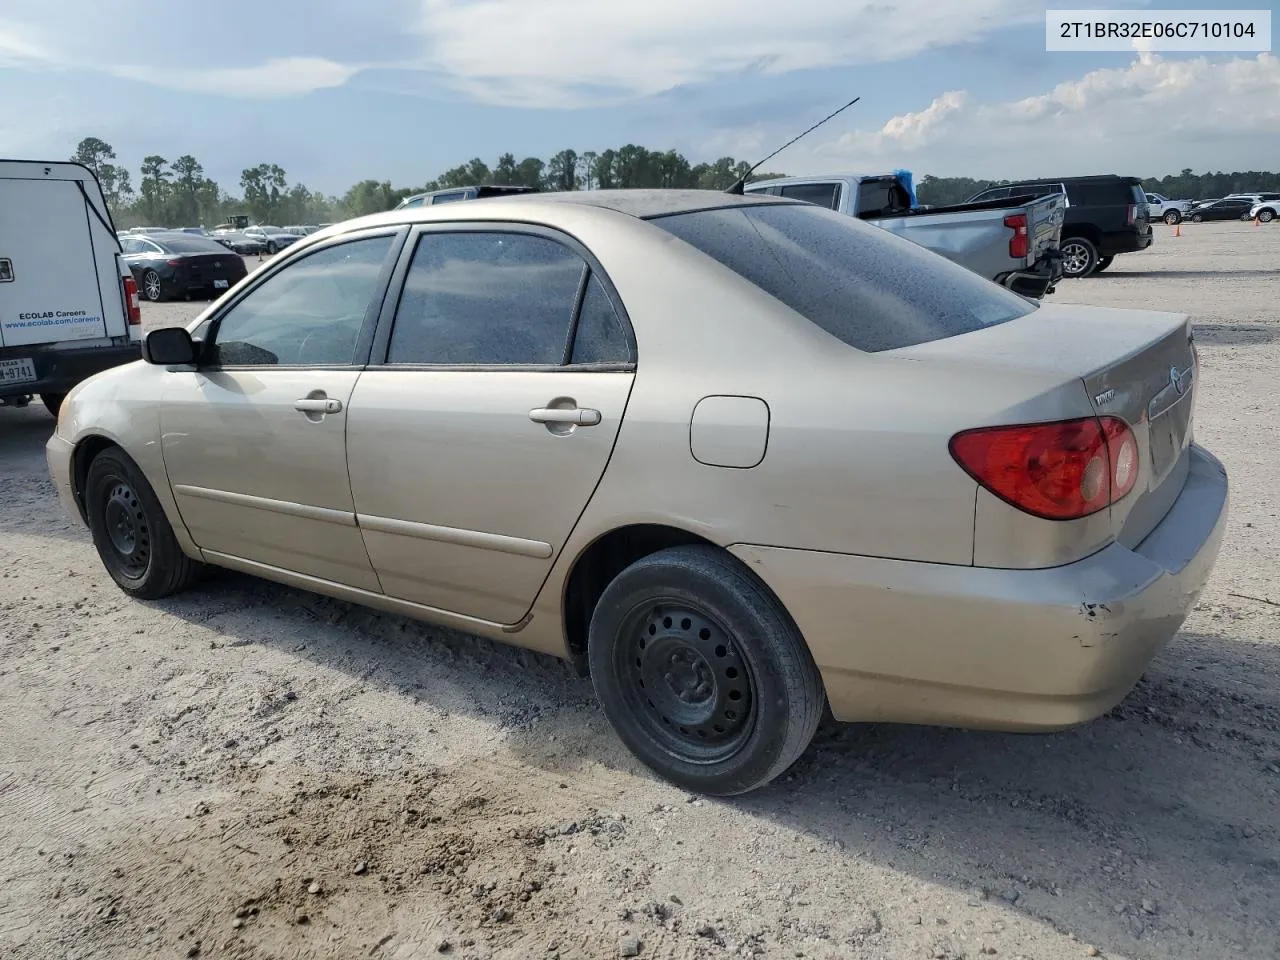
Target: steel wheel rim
151,283
126,528
685,681
1074,258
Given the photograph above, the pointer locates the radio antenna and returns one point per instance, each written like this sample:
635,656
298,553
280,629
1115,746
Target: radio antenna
741,182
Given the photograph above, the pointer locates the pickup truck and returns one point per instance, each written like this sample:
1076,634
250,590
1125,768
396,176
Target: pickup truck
1160,207
1012,241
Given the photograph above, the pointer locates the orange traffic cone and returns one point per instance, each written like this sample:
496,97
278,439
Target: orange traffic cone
1257,222
1177,229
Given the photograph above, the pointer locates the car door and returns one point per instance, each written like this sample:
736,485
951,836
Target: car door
474,446
254,438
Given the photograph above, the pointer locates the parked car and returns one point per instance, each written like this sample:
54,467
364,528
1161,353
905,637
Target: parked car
68,304
1106,216
145,230
198,231
301,230
852,472
454,194
273,238
1013,241
1227,208
1266,209
1160,207
175,264
239,242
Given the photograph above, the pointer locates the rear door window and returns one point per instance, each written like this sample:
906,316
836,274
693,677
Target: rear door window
823,194
863,285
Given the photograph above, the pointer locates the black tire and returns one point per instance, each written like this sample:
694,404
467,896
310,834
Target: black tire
1173,217
1266,216
1103,264
271,249
151,287
744,698
1079,257
132,534
53,402
1197,218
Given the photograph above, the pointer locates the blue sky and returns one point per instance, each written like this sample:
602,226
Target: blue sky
403,89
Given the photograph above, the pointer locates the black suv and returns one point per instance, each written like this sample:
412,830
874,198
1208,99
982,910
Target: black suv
1106,216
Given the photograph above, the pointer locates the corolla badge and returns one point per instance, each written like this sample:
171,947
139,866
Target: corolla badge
1177,380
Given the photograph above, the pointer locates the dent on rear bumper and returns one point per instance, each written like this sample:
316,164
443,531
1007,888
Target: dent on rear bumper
1000,649
58,453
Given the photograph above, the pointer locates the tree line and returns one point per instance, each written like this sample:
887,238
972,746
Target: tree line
177,192
939,191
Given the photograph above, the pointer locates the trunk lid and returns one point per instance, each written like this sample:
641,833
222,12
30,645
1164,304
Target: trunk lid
213,266
1137,365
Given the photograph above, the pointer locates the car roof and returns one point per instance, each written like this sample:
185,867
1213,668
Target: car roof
643,204
1095,178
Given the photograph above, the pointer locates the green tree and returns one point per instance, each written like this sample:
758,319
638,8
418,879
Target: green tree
369,196
587,169
263,186
505,172
562,171
154,188
188,178
114,179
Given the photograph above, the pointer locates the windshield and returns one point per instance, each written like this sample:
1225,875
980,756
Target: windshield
866,286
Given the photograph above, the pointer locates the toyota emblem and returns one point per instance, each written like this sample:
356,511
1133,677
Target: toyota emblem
1175,378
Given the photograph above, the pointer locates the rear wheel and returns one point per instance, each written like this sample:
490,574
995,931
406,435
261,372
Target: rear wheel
151,287
1103,264
1172,217
1079,257
131,532
52,402
702,672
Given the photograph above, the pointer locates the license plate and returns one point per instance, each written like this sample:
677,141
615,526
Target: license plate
17,371
220,284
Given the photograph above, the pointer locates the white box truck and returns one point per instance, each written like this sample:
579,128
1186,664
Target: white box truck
68,302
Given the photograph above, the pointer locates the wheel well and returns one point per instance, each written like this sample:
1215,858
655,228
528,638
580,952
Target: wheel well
85,451
596,567
1083,233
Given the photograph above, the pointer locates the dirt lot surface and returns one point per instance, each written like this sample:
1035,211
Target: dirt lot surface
250,771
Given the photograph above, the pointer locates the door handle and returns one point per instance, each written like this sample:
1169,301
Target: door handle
574,416
317,405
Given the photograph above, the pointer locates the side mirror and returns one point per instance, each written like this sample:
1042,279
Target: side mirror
169,346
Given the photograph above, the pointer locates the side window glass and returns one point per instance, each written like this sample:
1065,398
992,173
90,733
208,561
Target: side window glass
823,194
129,245
600,336
308,314
486,298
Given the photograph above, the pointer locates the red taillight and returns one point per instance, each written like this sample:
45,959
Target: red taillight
1018,243
132,308
1133,213
1058,471
174,263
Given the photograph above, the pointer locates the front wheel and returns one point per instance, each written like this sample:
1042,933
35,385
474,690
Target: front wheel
151,287
130,531
271,249
1173,217
1197,218
1266,216
1079,257
702,672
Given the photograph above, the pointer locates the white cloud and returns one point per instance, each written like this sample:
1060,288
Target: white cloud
569,53
275,78
1152,115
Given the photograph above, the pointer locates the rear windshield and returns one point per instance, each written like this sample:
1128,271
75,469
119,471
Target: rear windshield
190,243
1104,193
871,289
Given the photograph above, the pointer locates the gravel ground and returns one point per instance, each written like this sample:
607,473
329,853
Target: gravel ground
251,771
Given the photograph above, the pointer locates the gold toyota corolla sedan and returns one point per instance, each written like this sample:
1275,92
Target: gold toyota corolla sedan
738,458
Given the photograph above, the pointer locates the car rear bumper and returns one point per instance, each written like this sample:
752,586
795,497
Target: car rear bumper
999,649
61,367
